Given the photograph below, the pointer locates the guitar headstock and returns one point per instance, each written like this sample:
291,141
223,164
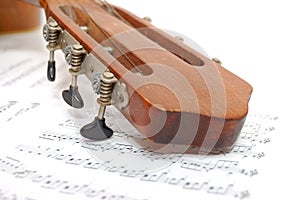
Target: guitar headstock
167,90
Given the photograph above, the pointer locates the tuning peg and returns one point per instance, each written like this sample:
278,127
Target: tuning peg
97,129
51,32
74,56
73,97
51,71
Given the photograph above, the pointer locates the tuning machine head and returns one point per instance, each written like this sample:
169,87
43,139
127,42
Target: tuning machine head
110,91
51,33
74,55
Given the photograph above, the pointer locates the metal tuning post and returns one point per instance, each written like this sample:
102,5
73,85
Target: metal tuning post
51,32
74,55
103,85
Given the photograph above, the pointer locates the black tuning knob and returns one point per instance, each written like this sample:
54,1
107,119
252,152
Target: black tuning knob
51,71
73,97
96,130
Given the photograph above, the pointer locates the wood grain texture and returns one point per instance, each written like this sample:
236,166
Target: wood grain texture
180,96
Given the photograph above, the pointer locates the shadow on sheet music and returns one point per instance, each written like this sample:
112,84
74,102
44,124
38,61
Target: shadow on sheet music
128,150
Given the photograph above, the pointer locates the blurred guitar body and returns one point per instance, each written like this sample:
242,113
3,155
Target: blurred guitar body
18,16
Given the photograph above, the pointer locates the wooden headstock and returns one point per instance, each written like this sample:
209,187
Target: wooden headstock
167,90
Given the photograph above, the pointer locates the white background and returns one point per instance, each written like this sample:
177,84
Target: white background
257,40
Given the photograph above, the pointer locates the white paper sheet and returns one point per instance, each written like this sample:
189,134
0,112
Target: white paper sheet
44,157
40,137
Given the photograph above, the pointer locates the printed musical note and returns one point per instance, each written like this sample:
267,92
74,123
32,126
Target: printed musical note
5,107
251,172
7,195
241,148
175,181
194,185
255,155
71,123
131,173
23,110
153,177
242,195
219,189
93,165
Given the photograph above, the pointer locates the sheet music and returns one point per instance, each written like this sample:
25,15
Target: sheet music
50,156
44,157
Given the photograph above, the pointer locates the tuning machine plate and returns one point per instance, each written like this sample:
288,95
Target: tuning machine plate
105,84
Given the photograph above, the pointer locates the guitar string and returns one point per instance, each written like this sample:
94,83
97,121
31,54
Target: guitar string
109,38
109,8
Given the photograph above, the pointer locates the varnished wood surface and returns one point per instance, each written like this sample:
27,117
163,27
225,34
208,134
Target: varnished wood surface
187,101
18,16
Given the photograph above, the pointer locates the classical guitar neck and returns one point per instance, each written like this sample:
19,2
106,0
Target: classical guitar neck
167,90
